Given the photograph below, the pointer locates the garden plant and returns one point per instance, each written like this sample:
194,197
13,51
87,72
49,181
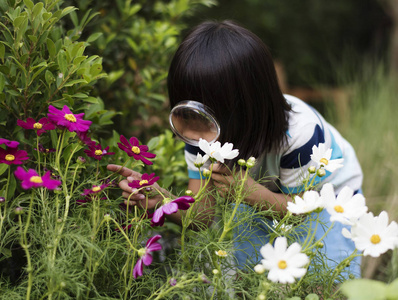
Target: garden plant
65,231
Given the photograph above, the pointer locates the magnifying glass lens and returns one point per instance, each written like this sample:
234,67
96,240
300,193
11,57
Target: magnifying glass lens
191,120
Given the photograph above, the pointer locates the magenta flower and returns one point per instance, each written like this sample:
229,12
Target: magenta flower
170,207
31,179
95,189
96,151
40,126
12,156
134,149
11,144
145,255
146,180
82,135
65,118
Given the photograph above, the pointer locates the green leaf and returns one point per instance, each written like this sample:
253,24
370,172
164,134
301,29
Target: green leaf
312,297
3,168
392,290
73,82
79,59
51,48
49,77
364,289
12,185
33,38
37,9
29,4
94,37
67,10
62,63
18,21
2,51
2,83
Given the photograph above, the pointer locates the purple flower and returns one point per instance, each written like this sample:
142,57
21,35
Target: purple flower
40,126
170,207
31,179
145,255
82,135
95,189
95,150
45,150
12,156
134,149
173,281
65,118
146,180
11,144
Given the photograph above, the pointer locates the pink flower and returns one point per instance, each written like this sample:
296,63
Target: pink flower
146,180
82,135
65,118
11,144
45,150
12,156
134,149
31,179
40,126
95,150
145,255
170,207
95,189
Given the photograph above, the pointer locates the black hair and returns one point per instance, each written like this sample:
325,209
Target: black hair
229,69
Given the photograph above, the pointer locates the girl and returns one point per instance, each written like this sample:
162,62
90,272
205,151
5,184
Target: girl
229,69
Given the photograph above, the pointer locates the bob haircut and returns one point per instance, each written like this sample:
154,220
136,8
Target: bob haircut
229,69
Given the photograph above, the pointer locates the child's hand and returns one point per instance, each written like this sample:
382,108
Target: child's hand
134,196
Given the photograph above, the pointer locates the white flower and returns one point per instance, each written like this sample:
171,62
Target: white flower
200,160
284,263
347,208
221,253
310,202
372,234
321,156
282,227
217,152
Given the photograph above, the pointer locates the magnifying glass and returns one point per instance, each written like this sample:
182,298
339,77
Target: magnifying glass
191,120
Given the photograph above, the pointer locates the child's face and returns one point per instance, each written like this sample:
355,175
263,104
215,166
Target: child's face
194,129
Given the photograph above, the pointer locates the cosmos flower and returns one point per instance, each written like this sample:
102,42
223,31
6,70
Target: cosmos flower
12,156
347,208
373,235
321,156
30,179
8,143
200,160
65,118
145,255
134,149
146,180
45,150
221,253
40,126
310,202
216,152
95,150
83,136
95,189
284,263
170,207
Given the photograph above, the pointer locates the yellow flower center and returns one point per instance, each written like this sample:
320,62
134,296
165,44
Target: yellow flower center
36,179
98,152
324,161
136,150
282,264
142,182
221,253
339,209
375,239
96,189
70,117
10,157
37,125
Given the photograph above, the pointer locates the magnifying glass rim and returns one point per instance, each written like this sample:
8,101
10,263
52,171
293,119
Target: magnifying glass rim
198,106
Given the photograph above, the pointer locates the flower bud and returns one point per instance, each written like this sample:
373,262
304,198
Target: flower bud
2,200
261,297
259,269
203,278
206,172
241,162
321,172
312,169
18,210
81,160
215,271
107,217
173,281
188,193
319,245
252,160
